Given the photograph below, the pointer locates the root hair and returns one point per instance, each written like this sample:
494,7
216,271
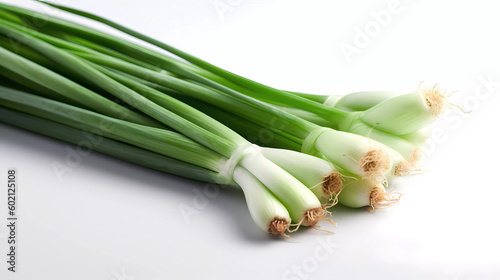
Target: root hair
375,163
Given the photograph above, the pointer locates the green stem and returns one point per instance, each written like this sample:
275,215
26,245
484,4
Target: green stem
68,88
263,116
79,67
155,58
160,141
263,136
109,147
176,106
257,88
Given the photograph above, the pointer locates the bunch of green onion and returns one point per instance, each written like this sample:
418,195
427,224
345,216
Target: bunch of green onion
184,116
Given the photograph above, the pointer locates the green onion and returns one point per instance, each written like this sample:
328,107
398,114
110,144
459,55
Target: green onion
359,101
67,88
373,196
266,211
367,136
250,87
254,109
347,160
96,142
167,143
324,179
407,113
300,201
361,193
357,148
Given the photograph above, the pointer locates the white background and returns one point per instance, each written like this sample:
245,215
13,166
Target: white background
112,220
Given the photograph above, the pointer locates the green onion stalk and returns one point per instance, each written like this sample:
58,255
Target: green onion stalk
267,212
166,151
352,191
368,159
388,122
396,121
371,161
407,144
406,114
301,202
358,155
14,60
